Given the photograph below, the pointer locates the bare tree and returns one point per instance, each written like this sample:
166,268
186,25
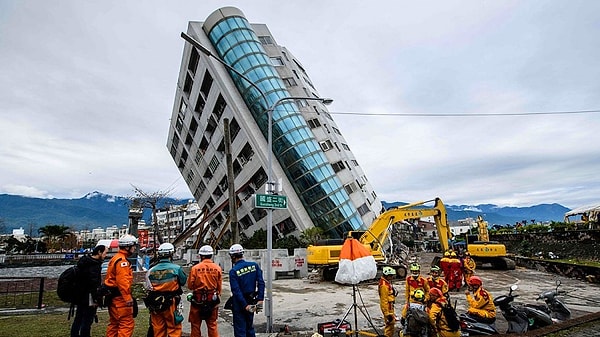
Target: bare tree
144,199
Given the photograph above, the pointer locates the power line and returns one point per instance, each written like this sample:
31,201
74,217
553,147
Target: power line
475,114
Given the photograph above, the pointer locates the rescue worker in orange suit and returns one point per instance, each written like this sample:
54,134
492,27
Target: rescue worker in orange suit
248,289
481,303
469,266
415,281
206,283
165,279
455,267
387,298
445,266
435,281
120,276
439,323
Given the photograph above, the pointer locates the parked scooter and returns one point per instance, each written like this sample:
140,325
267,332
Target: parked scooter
521,318
557,309
472,326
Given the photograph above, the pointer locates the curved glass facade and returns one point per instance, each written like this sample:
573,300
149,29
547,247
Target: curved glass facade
294,145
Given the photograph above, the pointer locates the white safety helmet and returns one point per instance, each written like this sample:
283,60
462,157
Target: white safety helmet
236,249
205,250
128,240
166,249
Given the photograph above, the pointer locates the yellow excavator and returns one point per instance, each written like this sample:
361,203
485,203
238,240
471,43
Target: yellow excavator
484,251
325,255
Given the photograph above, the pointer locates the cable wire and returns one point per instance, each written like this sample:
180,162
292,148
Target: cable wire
475,114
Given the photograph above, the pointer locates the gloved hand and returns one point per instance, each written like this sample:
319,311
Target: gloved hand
390,318
251,308
259,306
402,320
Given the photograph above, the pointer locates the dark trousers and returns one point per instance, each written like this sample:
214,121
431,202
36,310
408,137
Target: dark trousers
243,322
82,323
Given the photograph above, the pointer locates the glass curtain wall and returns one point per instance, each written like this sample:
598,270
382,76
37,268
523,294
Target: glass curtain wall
294,145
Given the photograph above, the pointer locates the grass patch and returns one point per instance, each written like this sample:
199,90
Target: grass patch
56,324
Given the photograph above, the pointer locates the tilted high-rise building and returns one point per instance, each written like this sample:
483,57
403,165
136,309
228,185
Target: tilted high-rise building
320,176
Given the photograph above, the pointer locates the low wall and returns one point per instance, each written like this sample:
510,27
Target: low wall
583,245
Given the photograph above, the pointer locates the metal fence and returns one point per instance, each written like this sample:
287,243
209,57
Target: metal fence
21,292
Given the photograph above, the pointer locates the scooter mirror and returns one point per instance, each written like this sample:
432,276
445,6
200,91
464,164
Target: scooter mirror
514,287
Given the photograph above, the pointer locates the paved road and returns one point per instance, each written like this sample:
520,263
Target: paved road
302,304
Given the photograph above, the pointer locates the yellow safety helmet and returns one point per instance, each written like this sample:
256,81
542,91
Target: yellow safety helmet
419,295
389,271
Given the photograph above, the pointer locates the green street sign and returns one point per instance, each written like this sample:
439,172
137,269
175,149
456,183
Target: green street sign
270,201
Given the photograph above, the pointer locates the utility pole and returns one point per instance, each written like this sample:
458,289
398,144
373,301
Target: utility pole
235,230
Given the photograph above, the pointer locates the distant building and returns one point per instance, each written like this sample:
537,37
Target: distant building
324,183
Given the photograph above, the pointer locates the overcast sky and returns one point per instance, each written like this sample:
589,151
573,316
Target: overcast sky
87,90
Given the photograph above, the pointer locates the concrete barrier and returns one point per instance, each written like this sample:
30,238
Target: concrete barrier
283,265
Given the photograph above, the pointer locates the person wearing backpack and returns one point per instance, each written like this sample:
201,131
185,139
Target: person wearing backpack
415,320
119,278
387,298
88,279
440,323
164,281
206,284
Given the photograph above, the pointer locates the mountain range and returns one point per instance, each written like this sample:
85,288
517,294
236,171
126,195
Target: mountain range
97,209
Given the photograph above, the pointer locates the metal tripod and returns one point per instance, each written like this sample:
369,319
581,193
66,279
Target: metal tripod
364,312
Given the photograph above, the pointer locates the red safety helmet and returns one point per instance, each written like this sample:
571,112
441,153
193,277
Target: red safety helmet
475,281
435,291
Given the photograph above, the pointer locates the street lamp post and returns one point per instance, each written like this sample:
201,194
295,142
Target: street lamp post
271,190
270,187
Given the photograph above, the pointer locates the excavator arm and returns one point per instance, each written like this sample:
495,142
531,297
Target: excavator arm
376,235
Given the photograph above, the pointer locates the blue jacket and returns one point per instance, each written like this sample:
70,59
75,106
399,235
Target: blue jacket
246,278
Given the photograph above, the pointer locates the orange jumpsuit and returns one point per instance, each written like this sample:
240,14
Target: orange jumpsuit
387,298
455,268
166,278
120,275
481,304
469,266
438,321
413,284
445,266
207,276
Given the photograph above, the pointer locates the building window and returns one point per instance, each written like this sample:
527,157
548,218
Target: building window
200,103
290,82
346,147
336,130
206,84
326,145
214,163
354,162
313,123
286,226
338,166
198,157
187,86
350,188
182,107
363,209
265,39
194,57
190,177
276,61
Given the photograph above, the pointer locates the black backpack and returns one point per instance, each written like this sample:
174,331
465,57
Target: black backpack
417,321
66,288
451,317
